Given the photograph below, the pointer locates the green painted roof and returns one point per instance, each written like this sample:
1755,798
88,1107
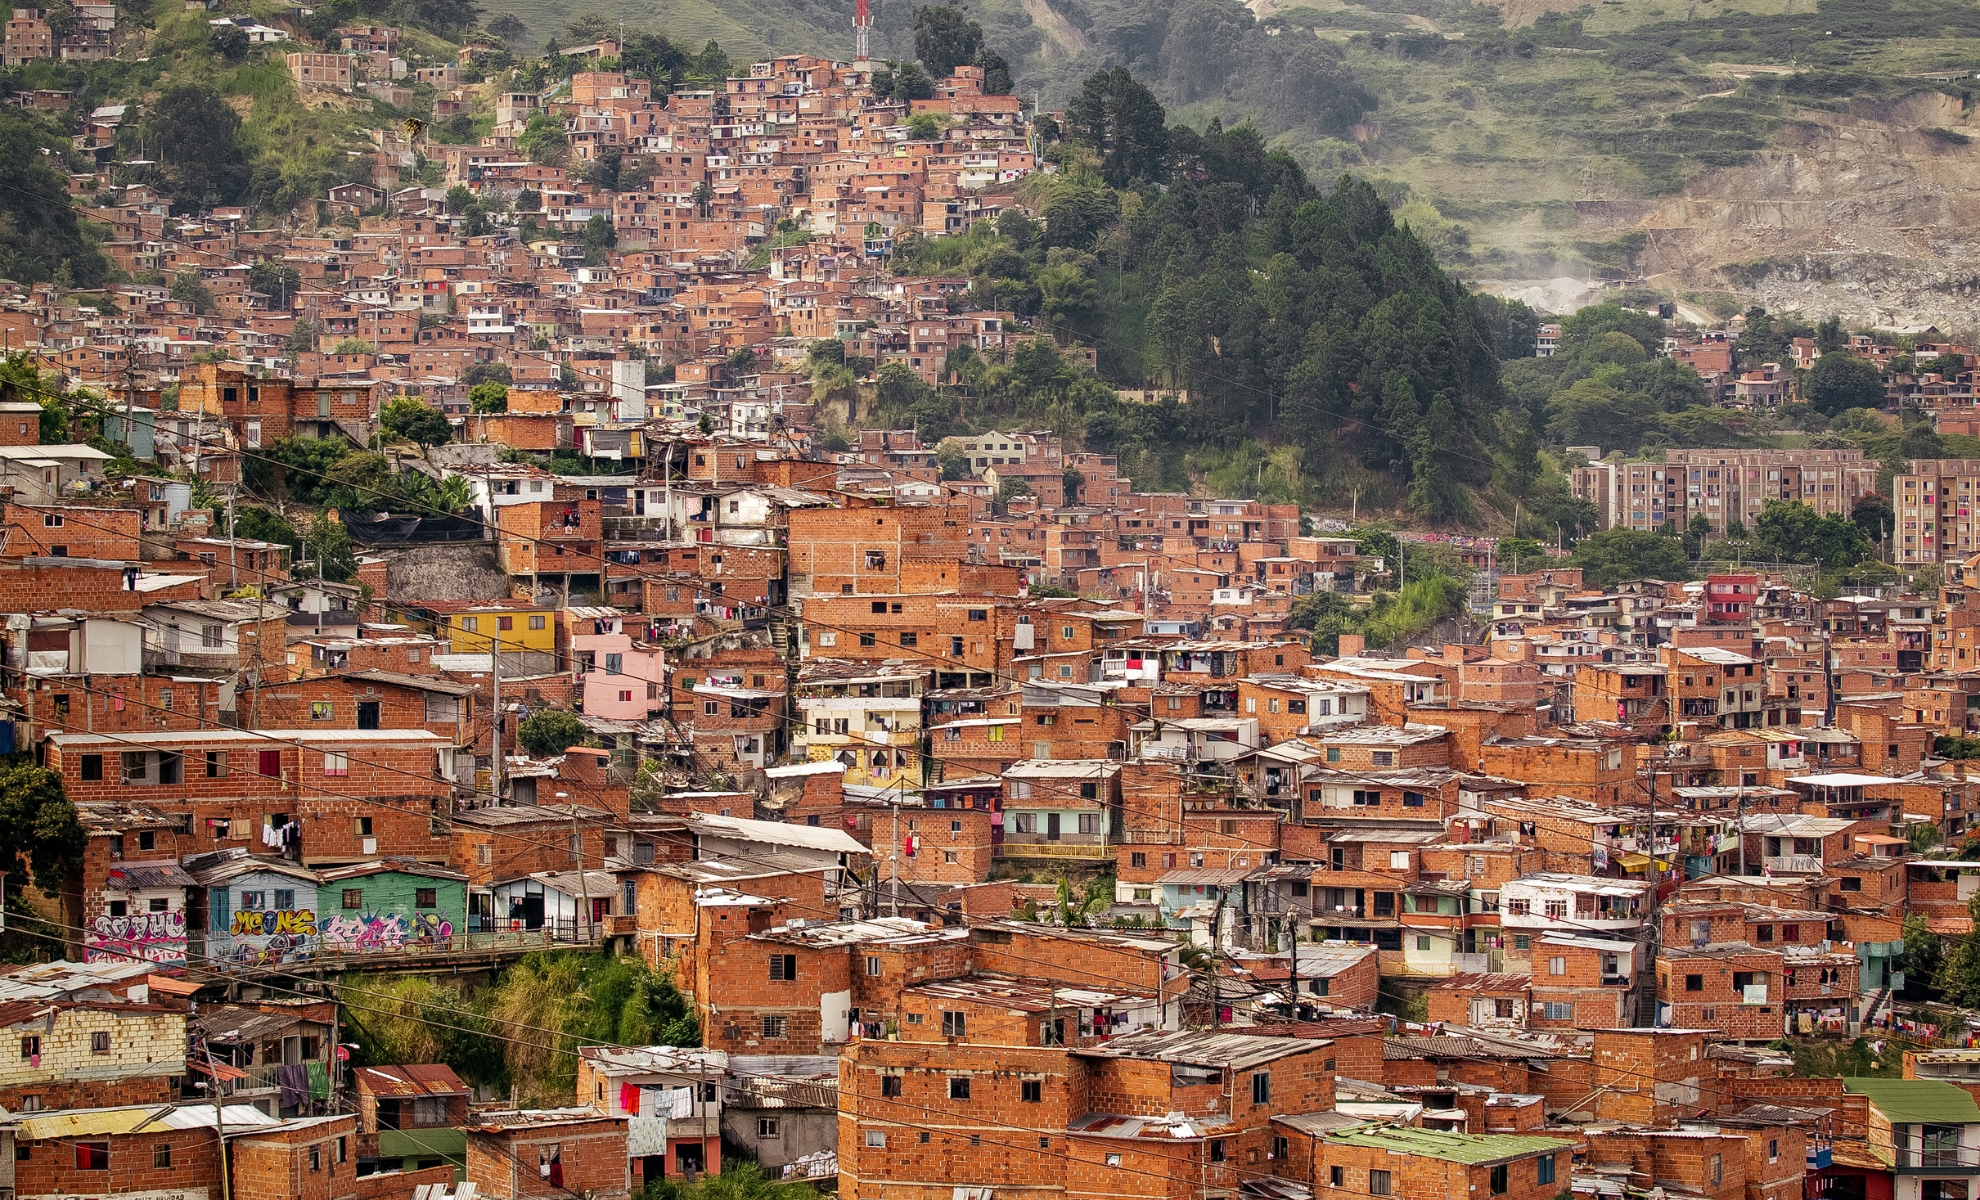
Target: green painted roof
1472,1149
1918,1101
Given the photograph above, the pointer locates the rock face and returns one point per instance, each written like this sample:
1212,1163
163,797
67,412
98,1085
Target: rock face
1867,214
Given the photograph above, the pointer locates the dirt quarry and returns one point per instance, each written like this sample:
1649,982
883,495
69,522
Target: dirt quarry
1870,214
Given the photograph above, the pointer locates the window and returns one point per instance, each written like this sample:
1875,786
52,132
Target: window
253,900
783,967
426,898
269,763
1498,1179
1423,943
876,1139
536,623
30,1046
1694,983
873,965
1557,966
1261,1087
336,762
1217,1150
320,710
890,1085
316,1158
1717,1164
1382,758
99,1042
1336,1176
1399,860
92,1156
505,624
1378,1183
766,1127
216,764
866,639
959,1087
1543,1169
1031,1091
955,1024
92,767
353,898
1773,1150
1089,823
161,1155
775,1027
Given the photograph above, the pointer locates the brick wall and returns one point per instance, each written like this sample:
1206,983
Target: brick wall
297,1164
145,1050
504,1163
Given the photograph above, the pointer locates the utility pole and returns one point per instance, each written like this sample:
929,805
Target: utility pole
220,1121
577,856
894,888
495,730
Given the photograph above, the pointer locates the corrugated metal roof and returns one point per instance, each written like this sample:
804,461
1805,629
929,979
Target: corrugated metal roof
412,1079
1472,1149
1917,1101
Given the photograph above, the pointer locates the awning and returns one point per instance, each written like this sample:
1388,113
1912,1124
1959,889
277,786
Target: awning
1636,862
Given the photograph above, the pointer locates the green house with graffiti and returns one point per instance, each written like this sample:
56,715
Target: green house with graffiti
390,906
250,910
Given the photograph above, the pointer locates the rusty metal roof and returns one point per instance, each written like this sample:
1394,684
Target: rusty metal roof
412,1079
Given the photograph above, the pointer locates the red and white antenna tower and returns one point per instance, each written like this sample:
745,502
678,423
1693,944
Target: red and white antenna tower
862,22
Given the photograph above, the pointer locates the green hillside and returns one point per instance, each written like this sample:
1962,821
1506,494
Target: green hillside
1486,126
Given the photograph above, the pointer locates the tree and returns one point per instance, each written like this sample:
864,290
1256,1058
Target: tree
1793,532
329,546
1959,973
924,127
256,523
1841,381
42,234
953,461
409,420
550,733
507,27
42,837
996,73
945,38
456,493
194,135
1874,515
1116,116
489,397
1613,555
598,239
741,362
276,280
188,288
230,42
354,346
590,27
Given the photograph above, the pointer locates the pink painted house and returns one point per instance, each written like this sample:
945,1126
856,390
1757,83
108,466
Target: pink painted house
620,679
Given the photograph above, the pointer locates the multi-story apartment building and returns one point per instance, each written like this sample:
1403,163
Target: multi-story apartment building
1934,511
1723,485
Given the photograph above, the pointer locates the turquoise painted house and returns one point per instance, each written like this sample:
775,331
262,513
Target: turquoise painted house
393,905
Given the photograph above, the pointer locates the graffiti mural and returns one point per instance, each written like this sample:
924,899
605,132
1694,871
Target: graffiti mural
158,937
271,938
385,931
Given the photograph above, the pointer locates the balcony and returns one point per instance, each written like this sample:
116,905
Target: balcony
1793,864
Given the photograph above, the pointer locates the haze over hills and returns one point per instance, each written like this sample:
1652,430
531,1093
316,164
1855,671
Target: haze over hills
1812,157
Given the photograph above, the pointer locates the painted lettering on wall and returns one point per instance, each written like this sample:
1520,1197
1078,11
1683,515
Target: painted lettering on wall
385,931
158,937
297,921
262,939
